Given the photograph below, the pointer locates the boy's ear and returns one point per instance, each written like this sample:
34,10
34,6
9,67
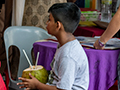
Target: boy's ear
59,24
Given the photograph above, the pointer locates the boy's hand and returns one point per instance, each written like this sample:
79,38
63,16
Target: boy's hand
28,83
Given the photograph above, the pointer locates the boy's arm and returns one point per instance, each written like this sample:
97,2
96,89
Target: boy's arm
33,83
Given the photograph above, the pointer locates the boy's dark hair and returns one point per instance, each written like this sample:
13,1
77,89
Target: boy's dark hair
67,13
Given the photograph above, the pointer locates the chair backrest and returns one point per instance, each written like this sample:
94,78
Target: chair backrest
22,37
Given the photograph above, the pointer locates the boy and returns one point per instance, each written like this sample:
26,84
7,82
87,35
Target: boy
70,65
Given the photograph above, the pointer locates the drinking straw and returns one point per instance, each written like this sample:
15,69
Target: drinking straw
36,59
27,58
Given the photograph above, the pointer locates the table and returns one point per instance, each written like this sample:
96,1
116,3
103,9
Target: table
47,51
102,68
102,63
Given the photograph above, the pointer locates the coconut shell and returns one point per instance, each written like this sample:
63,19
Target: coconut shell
39,72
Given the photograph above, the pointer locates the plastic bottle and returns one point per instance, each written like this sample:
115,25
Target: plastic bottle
106,11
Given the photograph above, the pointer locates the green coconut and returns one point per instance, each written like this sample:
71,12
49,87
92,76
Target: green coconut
39,72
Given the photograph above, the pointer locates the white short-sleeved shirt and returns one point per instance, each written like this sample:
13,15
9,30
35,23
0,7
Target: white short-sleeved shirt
70,69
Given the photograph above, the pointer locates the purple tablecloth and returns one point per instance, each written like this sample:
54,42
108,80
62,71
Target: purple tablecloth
102,63
47,51
102,68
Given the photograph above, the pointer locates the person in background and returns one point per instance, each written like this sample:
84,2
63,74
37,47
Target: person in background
5,22
111,30
70,69
1,3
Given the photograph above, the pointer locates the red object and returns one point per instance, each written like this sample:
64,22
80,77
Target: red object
2,84
7,78
114,87
3,87
116,82
88,31
88,9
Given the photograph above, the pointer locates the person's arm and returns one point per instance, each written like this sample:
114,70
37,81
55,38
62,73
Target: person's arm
33,83
111,30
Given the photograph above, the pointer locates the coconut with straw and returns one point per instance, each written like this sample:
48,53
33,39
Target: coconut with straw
38,71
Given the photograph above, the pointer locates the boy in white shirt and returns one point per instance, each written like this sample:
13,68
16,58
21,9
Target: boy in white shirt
70,70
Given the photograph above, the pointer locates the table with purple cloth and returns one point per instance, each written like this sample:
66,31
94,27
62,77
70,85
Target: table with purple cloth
47,51
102,63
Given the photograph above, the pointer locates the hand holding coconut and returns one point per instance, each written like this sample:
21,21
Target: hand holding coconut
28,83
33,75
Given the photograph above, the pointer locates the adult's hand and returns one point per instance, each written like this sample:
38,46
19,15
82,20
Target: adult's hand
97,45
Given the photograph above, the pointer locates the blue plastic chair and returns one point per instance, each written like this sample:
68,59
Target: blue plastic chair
22,37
